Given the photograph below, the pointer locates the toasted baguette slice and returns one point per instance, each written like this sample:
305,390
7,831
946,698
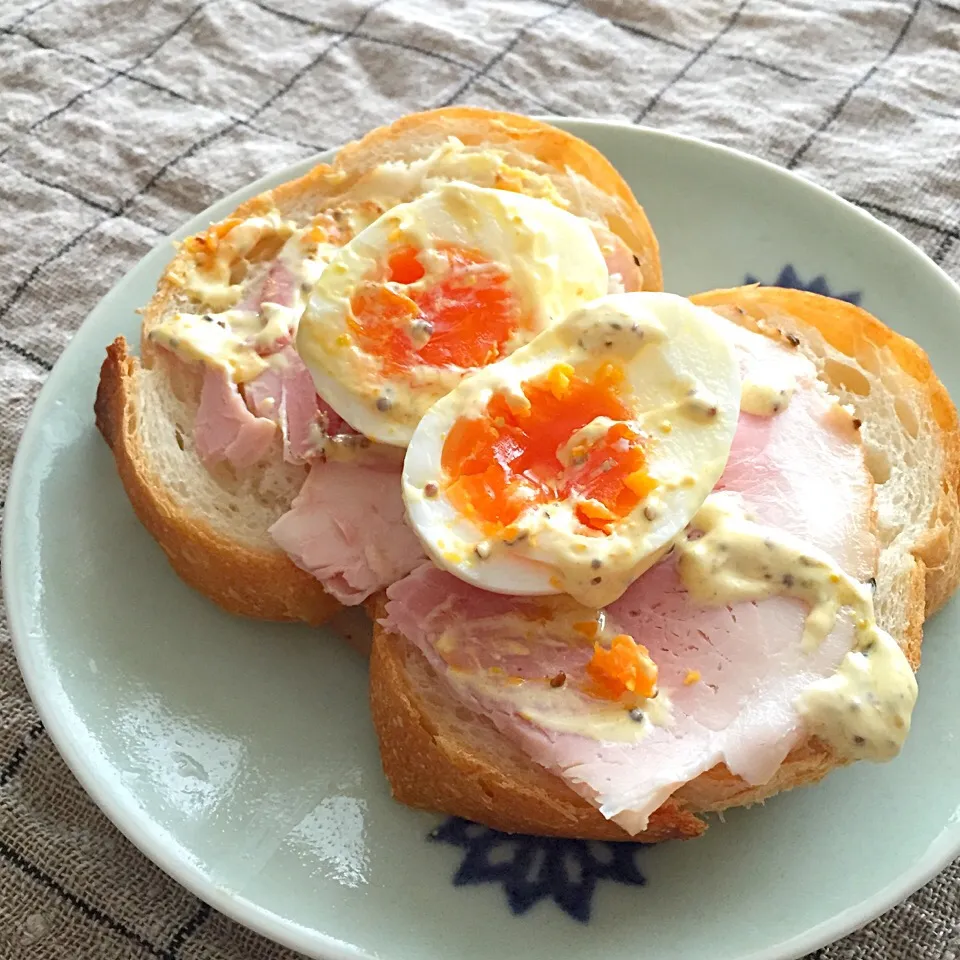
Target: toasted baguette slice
439,755
213,524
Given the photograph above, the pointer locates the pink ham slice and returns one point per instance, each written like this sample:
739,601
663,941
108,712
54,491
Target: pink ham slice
801,470
225,429
347,528
619,259
279,286
285,393
228,426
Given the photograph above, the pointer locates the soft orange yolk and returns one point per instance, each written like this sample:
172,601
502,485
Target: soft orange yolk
498,466
626,668
464,319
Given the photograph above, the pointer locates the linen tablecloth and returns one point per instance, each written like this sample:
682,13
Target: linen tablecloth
121,118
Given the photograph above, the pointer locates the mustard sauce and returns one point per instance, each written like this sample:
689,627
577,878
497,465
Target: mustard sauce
863,710
765,396
559,702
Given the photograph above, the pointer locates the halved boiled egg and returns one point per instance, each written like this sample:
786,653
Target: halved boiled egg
434,289
572,465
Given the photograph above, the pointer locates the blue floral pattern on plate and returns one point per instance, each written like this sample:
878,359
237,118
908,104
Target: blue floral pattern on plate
788,277
531,869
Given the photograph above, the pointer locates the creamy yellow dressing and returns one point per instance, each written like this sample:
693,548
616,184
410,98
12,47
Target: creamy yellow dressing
401,180
210,274
863,710
219,340
556,702
766,394
236,340
583,438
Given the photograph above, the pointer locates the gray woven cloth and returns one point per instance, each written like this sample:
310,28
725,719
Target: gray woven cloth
121,118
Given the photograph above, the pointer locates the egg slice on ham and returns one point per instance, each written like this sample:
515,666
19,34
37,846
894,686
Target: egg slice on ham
572,465
435,289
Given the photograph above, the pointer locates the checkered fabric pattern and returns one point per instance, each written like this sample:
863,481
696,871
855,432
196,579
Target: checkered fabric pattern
121,118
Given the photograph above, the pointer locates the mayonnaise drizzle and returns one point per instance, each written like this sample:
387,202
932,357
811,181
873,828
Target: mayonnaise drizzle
209,280
219,340
765,396
863,710
566,708
242,339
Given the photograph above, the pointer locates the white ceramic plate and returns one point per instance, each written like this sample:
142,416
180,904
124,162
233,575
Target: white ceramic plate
240,756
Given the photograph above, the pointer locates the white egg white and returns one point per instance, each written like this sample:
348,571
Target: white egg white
552,259
682,386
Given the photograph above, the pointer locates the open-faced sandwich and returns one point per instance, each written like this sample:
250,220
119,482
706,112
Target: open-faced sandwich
428,249
731,517
632,557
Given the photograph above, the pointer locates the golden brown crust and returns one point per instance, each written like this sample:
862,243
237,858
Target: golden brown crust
327,184
260,584
848,328
472,126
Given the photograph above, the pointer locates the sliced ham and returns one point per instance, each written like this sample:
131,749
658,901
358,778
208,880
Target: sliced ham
740,713
277,286
240,428
285,393
225,429
620,260
280,285
347,528
801,470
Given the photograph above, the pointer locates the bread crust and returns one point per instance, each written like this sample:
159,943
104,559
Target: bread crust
225,572
430,765
327,183
252,583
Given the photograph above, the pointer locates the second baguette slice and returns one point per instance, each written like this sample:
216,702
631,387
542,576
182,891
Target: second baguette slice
440,755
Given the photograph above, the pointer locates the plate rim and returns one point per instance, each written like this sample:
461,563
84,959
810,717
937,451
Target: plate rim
152,840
